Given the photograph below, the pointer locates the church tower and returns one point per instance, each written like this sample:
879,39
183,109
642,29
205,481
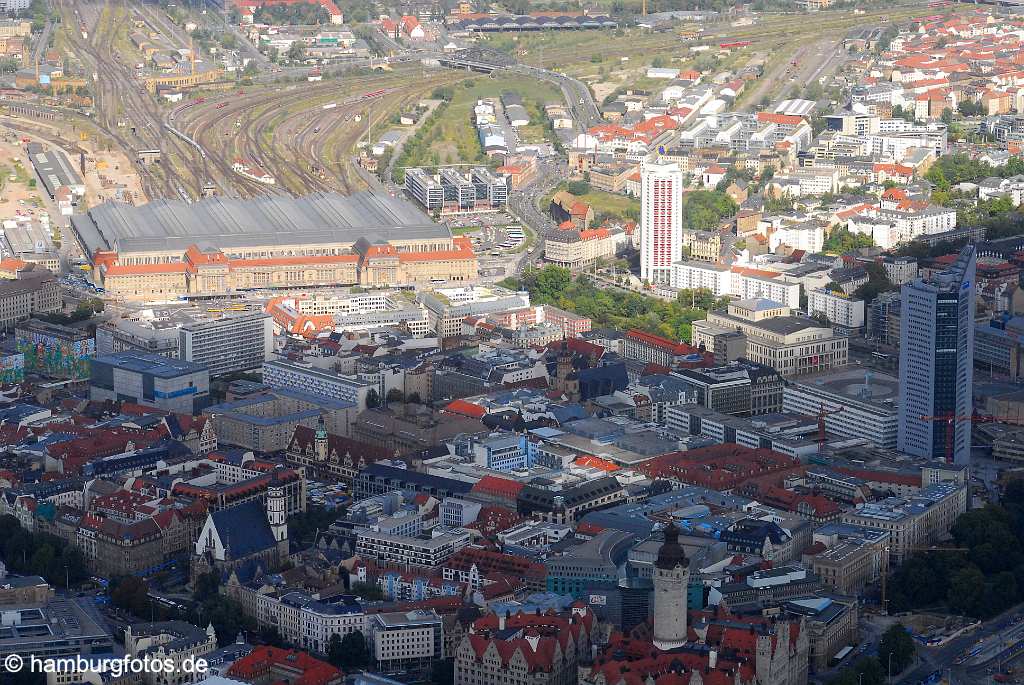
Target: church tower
671,578
320,440
277,517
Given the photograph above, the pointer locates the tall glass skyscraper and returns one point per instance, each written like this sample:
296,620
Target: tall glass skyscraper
937,362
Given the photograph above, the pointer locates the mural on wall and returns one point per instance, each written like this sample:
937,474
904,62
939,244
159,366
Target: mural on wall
52,356
12,369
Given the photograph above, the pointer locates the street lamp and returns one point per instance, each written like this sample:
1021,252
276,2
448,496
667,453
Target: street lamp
889,669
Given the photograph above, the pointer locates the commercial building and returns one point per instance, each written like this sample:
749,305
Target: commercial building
661,220
428,551
450,191
448,307
54,350
937,362
912,521
860,404
593,565
220,245
283,374
30,294
792,345
150,380
176,642
724,281
310,314
406,641
57,628
265,420
740,388
837,307
233,342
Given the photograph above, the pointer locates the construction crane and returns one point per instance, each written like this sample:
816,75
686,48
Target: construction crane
951,420
822,414
885,575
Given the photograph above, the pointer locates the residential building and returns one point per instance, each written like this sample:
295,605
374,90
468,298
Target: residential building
233,342
150,380
29,294
937,362
837,307
448,307
661,220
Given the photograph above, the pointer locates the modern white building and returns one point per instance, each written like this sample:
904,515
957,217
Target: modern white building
858,408
422,550
280,373
724,281
230,343
839,308
406,641
807,236
661,220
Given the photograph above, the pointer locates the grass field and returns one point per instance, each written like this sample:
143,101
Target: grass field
612,204
452,136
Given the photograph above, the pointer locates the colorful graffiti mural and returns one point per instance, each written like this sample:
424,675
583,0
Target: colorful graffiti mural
12,369
54,356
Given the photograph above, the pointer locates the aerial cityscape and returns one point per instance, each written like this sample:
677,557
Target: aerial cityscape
511,342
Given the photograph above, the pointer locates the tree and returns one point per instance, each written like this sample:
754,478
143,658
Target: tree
947,116
130,594
372,399
578,187
414,398
443,672
296,51
395,395
207,585
966,590
367,591
354,654
704,209
896,641
335,652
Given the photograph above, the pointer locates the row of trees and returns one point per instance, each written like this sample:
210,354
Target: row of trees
40,554
613,308
983,580
874,670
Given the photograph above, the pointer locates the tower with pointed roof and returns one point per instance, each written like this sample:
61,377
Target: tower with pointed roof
671,578
320,440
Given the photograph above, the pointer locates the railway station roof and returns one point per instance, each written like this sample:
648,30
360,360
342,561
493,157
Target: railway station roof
231,223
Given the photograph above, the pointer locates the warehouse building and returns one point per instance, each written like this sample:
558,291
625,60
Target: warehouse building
55,171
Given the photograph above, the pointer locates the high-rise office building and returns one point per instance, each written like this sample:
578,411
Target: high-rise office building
936,362
234,342
661,220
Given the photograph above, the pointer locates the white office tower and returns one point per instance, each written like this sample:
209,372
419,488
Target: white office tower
661,220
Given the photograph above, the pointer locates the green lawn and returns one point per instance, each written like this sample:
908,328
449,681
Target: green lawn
464,230
603,203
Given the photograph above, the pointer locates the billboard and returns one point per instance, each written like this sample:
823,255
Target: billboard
56,356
